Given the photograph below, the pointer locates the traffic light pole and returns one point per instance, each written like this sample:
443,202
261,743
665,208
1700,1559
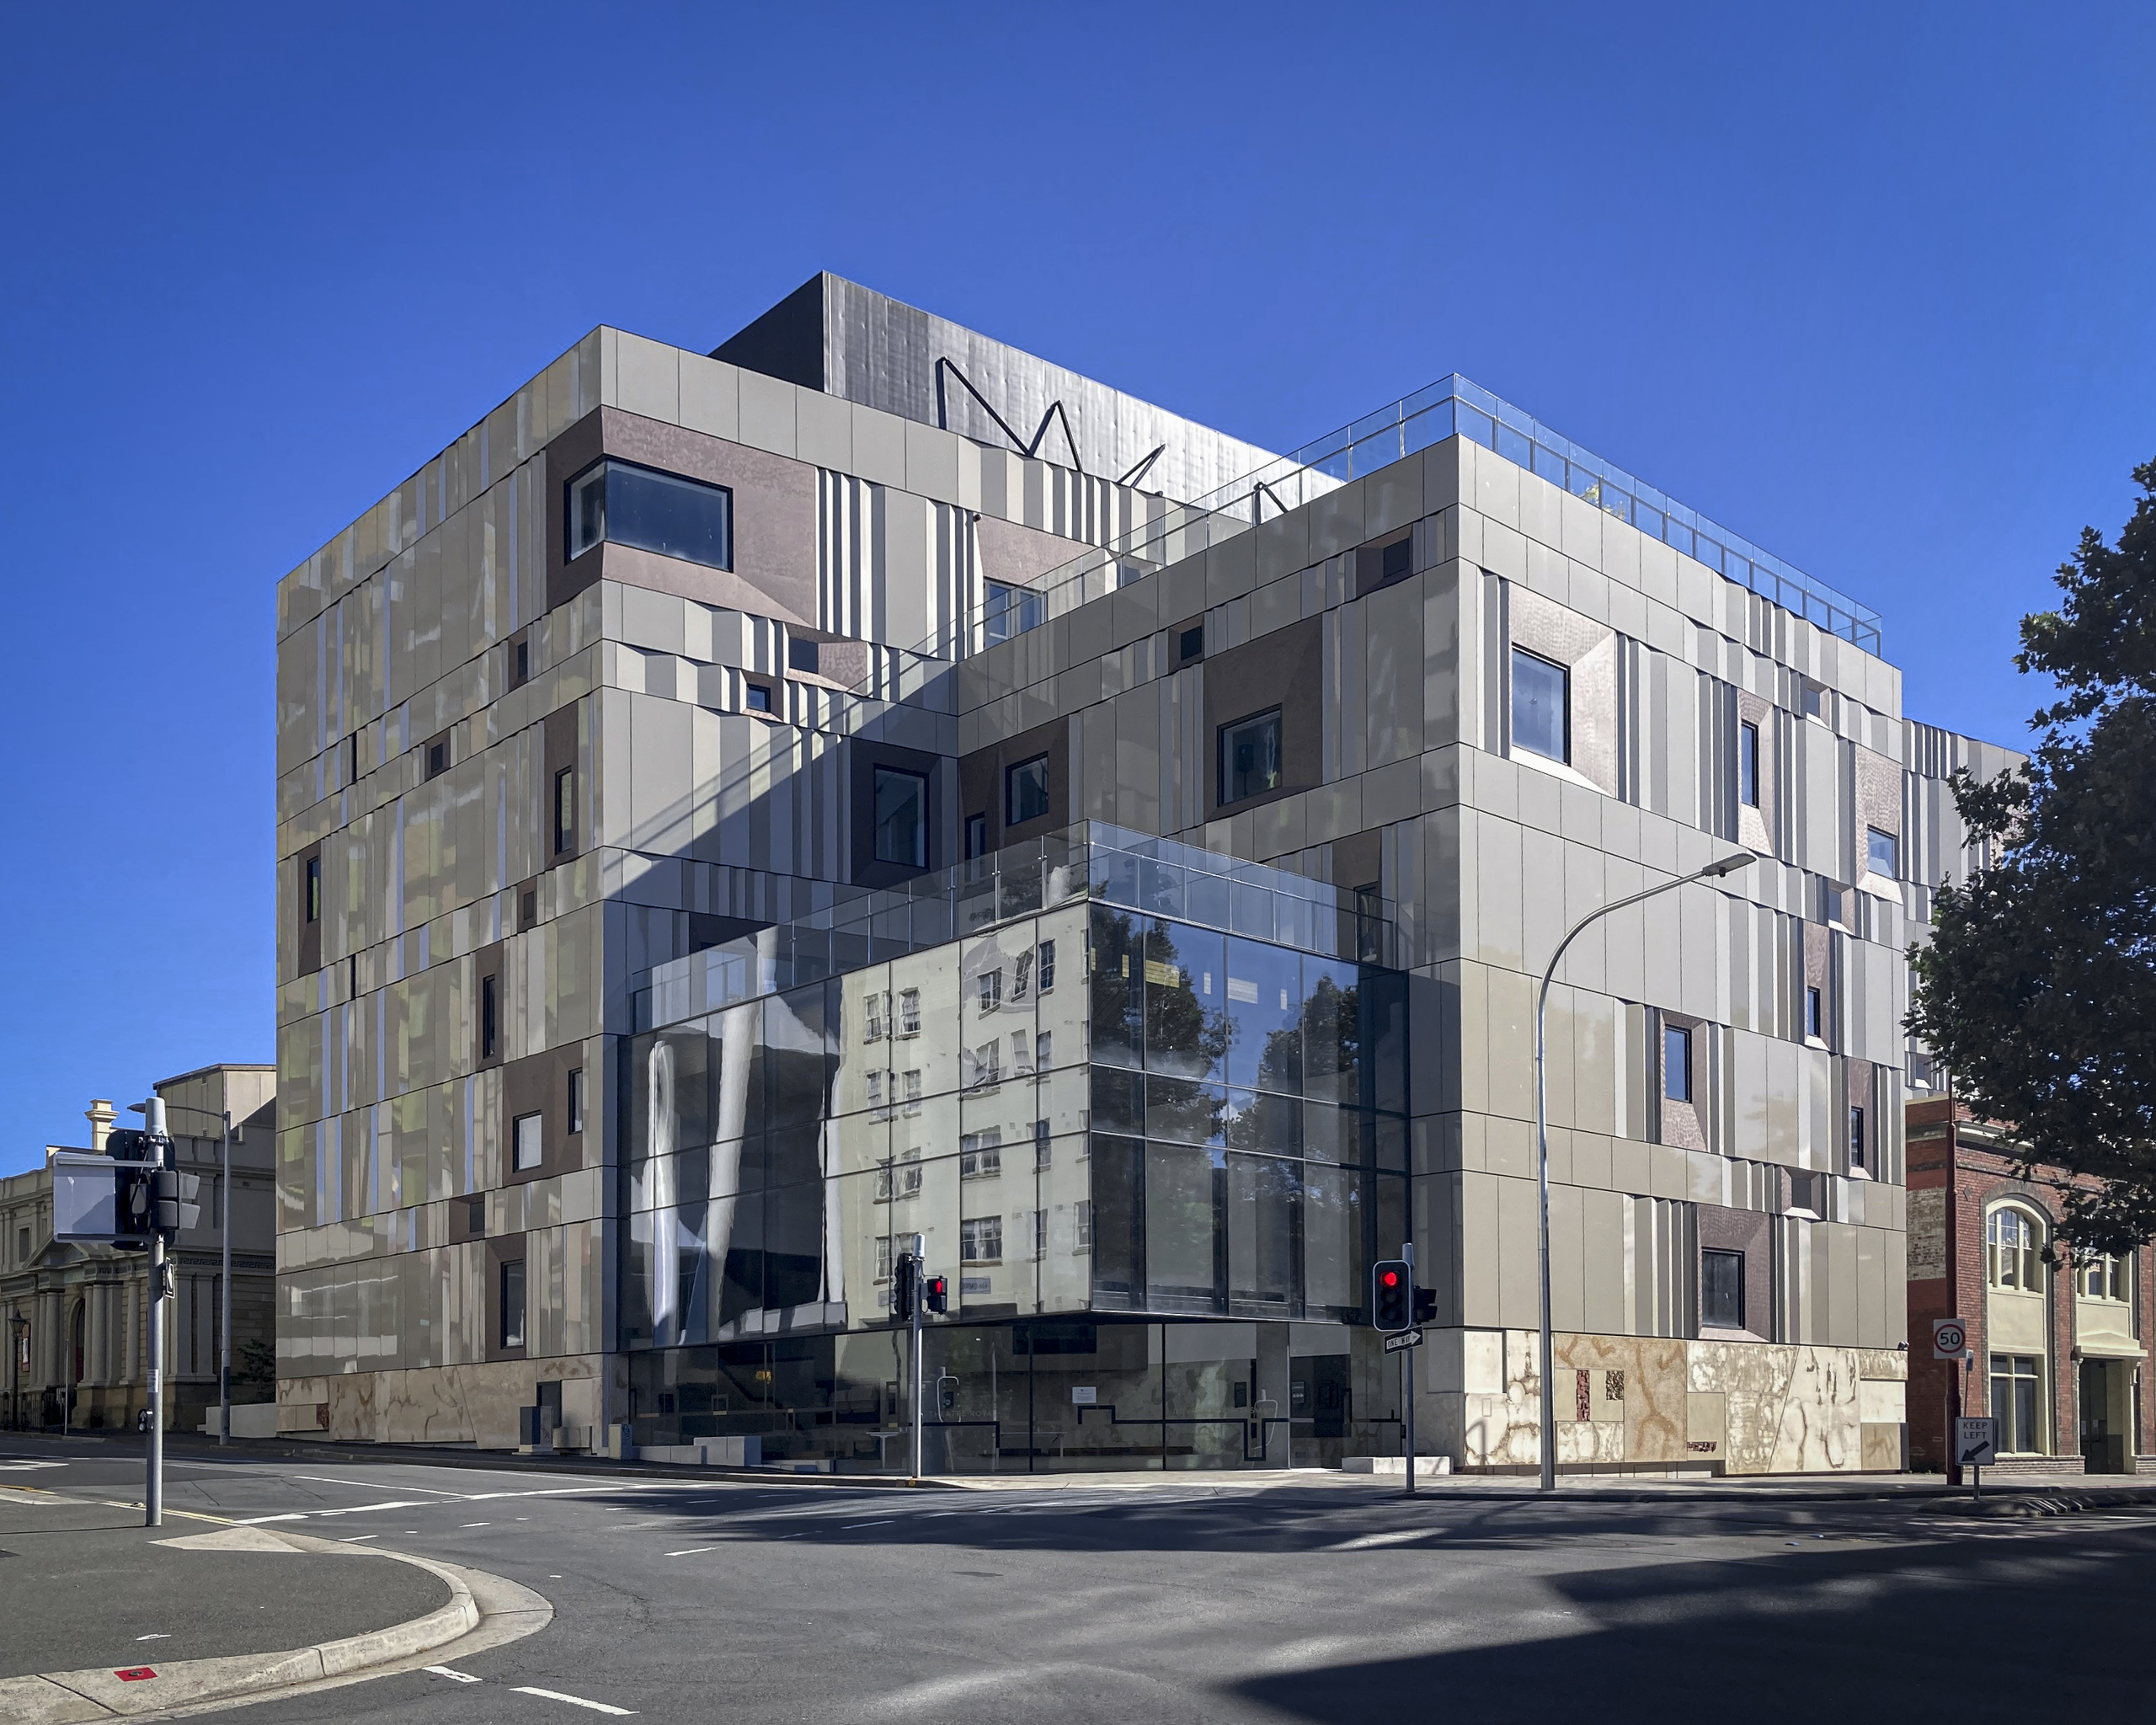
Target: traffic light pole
153,1494
224,1294
1407,1372
913,1271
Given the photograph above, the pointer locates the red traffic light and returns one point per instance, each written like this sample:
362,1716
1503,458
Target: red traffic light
1389,1279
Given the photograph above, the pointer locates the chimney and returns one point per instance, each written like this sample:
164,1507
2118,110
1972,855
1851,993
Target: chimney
100,1115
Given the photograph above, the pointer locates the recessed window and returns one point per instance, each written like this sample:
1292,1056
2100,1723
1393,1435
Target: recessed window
2010,1246
574,1121
758,697
310,889
527,908
900,817
1191,644
623,504
1856,1139
1676,1063
513,1303
1011,611
525,1151
1747,765
475,1216
1814,1014
1396,559
1721,1289
2015,1381
1541,706
2103,1277
1882,853
1025,790
976,836
437,759
802,655
489,1018
520,665
564,811
1250,756
1814,699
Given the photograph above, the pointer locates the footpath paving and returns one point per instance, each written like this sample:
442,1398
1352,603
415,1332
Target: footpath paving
107,1618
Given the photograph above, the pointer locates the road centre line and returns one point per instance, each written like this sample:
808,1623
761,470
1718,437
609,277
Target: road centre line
323,1479
848,1526
578,1701
692,1551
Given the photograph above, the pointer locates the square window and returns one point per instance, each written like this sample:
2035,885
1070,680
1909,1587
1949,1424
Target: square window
980,1240
1721,1289
1541,706
1250,756
512,1330
981,1154
976,836
1396,559
758,697
1747,765
1191,644
900,817
1025,790
1676,1063
1009,611
574,1120
1882,853
803,654
564,811
1814,1014
524,1143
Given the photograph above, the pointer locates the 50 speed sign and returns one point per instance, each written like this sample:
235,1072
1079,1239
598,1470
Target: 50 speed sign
1949,1339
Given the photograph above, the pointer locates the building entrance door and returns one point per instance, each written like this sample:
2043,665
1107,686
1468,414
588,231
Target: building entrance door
2105,1418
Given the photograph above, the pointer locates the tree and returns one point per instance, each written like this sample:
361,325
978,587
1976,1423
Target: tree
2037,990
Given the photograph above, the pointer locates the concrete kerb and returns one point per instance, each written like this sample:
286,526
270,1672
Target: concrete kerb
483,1611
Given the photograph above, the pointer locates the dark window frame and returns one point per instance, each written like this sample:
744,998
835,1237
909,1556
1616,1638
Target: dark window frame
1748,764
516,1313
310,891
976,836
1815,1012
1872,837
1725,1287
877,774
1225,741
1564,673
564,810
1011,816
572,1109
575,545
749,701
1676,1038
517,1165
1858,1151
490,1016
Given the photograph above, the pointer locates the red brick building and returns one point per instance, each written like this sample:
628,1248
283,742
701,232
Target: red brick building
2060,1343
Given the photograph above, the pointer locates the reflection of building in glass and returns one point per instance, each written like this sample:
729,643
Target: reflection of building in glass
652,957
1113,1104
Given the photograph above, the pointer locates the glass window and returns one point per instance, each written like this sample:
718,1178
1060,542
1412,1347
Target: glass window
311,890
1332,1031
1011,611
989,990
564,810
976,836
1856,1138
1676,1063
1250,756
1396,559
1025,789
980,1240
873,1008
2011,1239
1541,706
1882,853
804,652
1186,1027
759,698
1184,1199
909,1011
489,1018
1265,1017
981,1154
1814,1012
2015,1381
525,1144
513,1303
1747,765
1721,1289
575,1120
901,817
620,503
1047,965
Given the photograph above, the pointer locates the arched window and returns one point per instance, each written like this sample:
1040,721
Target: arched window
2011,1237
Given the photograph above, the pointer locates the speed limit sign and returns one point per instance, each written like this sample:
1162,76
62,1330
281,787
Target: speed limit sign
1949,1339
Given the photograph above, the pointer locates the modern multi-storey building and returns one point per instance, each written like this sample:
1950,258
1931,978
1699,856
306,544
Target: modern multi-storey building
739,813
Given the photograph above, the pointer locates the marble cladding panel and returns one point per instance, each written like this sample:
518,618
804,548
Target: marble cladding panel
459,1404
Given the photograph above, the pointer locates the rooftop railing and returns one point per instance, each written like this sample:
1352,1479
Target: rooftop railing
1452,406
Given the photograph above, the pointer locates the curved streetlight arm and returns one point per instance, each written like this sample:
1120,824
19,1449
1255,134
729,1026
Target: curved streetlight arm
1713,871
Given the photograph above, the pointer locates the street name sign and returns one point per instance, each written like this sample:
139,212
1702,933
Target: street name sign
1402,1339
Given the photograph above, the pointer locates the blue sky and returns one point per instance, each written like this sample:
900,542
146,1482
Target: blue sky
1875,286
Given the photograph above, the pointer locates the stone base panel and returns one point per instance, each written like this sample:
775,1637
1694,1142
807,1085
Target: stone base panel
1628,1403
478,1404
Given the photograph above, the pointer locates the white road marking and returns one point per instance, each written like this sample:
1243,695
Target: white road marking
578,1701
323,1479
692,1551
354,1539
455,1676
848,1525
369,1509
478,1524
257,1520
166,1636
25,1466
1371,1540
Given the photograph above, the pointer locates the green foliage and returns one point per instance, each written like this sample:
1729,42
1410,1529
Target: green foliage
257,1363
2037,990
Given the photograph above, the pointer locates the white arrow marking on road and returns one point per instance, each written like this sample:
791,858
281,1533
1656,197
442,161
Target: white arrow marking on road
455,1676
578,1701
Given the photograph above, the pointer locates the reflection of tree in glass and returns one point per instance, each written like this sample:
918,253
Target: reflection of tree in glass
1333,1037
1116,989
1190,1041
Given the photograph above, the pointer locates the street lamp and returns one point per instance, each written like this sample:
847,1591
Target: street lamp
1713,871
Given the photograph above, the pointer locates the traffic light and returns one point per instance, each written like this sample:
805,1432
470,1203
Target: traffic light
936,1293
171,1207
902,1274
1426,1306
1390,1292
134,1207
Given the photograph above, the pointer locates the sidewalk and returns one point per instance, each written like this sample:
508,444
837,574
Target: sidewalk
108,1617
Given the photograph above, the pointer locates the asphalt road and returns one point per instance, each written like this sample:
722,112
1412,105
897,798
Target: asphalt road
1209,1600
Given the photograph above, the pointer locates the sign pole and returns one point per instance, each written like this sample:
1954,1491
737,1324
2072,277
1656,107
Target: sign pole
225,1295
1407,1370
154,1506
914,1273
